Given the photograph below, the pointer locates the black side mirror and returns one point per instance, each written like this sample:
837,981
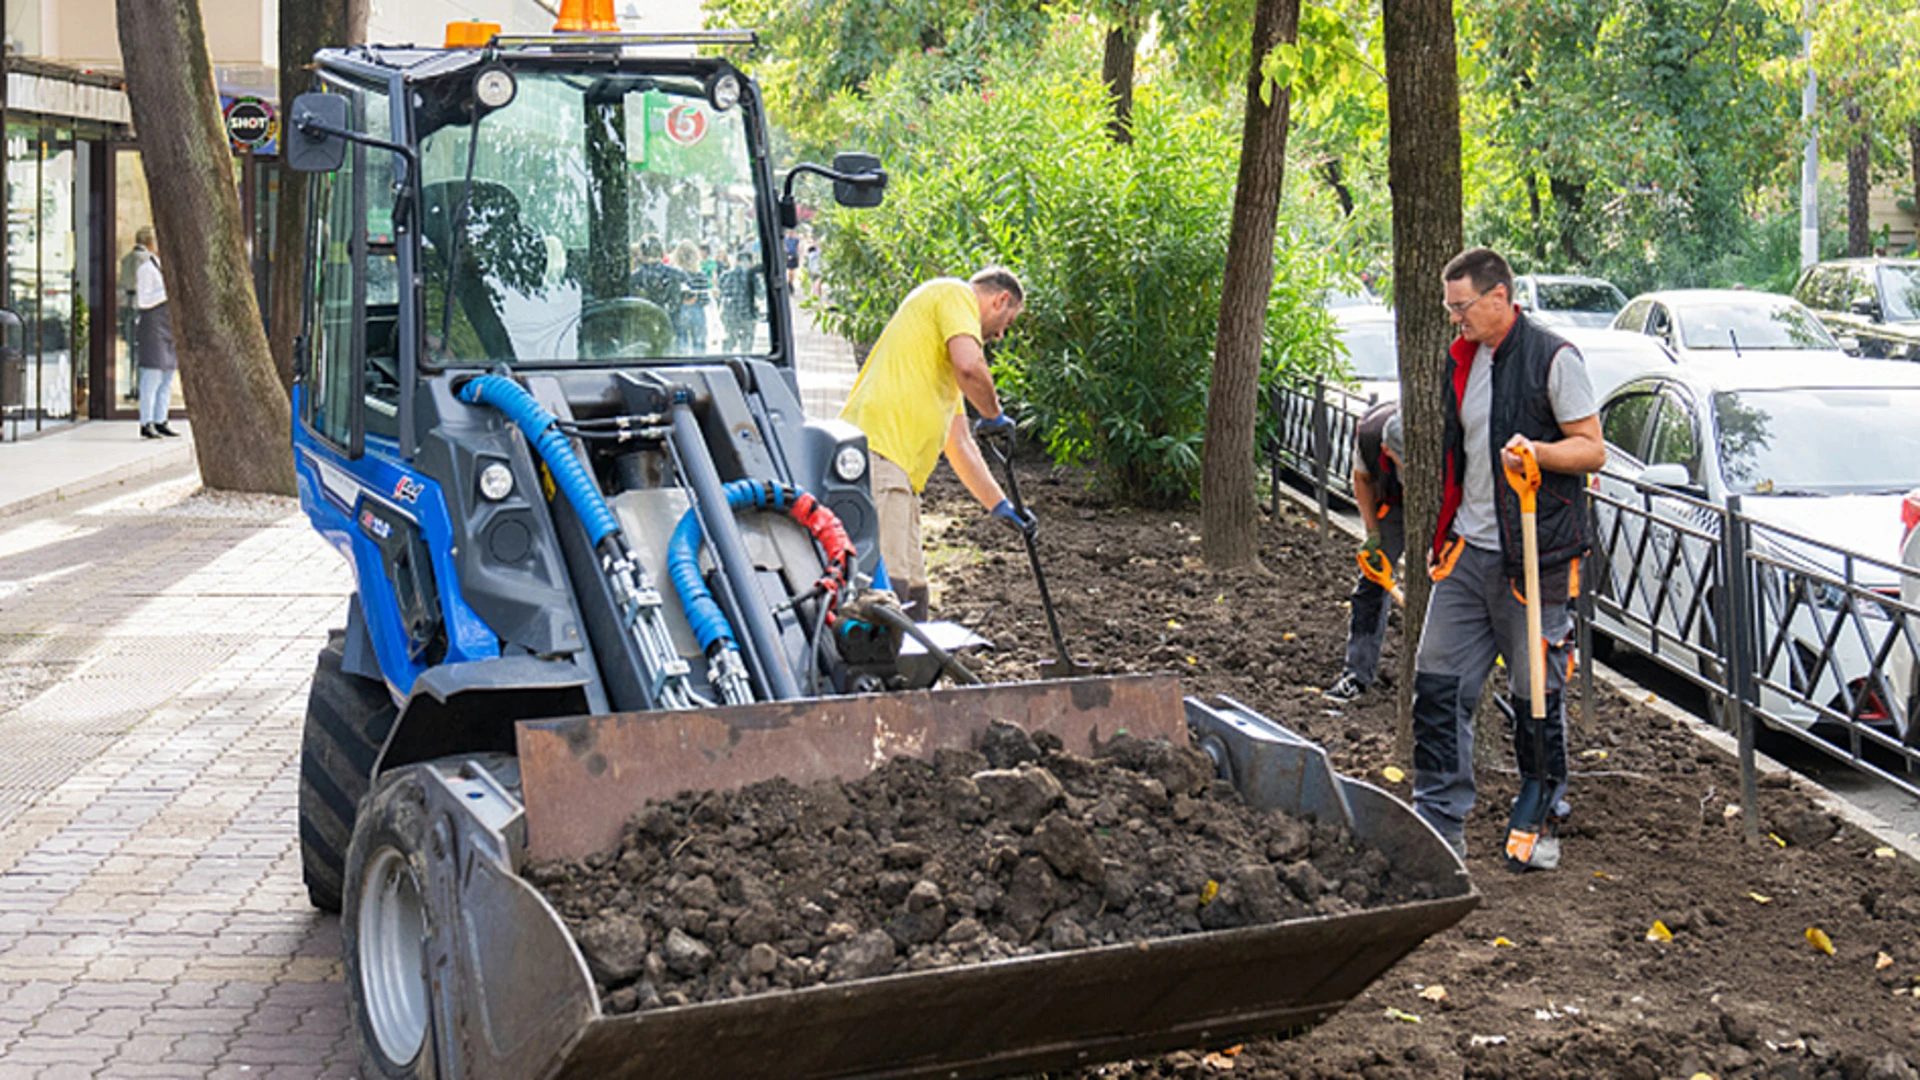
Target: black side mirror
1866,307
869,187
312,143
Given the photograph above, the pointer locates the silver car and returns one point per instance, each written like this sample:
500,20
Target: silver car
1738,323
1563,300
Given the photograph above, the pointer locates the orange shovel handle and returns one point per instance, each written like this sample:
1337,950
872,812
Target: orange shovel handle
1525,480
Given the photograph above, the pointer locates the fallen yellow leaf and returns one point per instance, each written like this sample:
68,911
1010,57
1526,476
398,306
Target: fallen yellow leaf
1218,1061
1393,774
1221,599
1603,875
1759,899
1594,755
1208,891
1775,837
1500,941
1173,624
1820,940
1434,993
1731,811
1288,636
1882,962
1659,932
1193,660
1883,853
1701,1076
1401,1015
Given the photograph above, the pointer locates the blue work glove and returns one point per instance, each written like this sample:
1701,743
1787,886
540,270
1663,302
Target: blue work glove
994,427
1021,520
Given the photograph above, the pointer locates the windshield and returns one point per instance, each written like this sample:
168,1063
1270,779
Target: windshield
610,216
1370,349
1901,284
1827,442
1780,324
1580,296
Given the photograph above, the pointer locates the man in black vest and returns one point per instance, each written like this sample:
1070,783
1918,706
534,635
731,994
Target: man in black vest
1509,383
1378,443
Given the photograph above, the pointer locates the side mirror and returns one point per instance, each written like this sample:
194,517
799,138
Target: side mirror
1669,474
1866,307
310,142
868,190
1848,344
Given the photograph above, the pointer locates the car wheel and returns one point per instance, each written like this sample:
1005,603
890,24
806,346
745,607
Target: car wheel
384,928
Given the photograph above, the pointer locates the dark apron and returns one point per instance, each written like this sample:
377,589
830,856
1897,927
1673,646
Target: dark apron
155,335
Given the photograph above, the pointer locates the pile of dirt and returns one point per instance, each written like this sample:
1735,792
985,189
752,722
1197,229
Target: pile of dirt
1015,848
1554,975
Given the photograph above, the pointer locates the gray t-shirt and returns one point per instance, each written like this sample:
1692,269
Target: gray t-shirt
1571,393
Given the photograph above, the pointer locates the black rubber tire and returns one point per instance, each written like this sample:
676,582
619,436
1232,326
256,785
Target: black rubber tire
348,718
394,822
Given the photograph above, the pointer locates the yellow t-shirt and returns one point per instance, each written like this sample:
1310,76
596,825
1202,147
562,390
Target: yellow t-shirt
906,397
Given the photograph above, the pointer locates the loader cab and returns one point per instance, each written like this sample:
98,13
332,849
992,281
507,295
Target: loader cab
538,202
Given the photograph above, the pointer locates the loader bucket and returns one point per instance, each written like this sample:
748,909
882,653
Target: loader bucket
1049,1011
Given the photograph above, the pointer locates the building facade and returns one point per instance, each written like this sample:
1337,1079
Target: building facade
76,192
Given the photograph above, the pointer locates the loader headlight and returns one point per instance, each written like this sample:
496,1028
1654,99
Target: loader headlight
724,91
496,482
850,464
494,87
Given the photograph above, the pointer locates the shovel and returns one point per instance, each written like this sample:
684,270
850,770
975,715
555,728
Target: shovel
1379,570
1065,666
1531,809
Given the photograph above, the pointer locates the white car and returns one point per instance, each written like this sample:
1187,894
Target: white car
1614,356
1821,456
1563,300
1372,349
1738,323
1903,662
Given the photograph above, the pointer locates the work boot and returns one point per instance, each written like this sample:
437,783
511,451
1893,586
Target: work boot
147,432
163,429
1344,689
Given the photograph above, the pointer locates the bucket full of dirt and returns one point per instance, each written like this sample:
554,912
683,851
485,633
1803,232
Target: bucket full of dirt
1044,876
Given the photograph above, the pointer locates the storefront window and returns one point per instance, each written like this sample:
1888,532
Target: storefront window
41,258
133,211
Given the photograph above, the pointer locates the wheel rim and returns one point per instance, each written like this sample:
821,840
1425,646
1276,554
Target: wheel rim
393,931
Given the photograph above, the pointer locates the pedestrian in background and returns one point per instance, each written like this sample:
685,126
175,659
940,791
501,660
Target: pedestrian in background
1510,384
130,265
155,350
1378,445
911,400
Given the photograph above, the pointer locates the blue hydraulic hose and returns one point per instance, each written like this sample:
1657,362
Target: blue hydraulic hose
570,474
683,557
683,567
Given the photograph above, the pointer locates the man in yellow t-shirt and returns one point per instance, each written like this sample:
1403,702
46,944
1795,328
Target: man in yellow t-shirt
910,399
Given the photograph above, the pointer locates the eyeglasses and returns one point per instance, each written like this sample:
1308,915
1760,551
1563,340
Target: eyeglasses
1459,307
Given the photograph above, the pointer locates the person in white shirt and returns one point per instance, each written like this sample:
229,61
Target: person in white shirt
155,352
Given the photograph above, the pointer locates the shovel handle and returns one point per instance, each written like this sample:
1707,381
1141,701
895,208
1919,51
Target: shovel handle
1525,480
1526,483
1379,570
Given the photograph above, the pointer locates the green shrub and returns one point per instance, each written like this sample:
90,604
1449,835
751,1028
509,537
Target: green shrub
1122,249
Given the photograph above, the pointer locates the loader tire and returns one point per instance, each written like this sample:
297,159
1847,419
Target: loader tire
384,930
348,718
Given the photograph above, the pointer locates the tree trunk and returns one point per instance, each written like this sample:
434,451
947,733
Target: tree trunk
1229,504
1330,169
241,423
1859,181
306,26
1116,71
1423,172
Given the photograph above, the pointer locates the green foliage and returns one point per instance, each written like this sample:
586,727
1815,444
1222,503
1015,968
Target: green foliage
1622,137
1120,247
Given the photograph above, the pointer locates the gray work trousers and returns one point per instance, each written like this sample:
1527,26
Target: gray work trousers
1474,614
1367,629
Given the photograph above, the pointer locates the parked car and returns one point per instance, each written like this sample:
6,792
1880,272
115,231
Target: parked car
1824,453
1614,356
1729,322
1871,305
1372,349
1906,688
1560,300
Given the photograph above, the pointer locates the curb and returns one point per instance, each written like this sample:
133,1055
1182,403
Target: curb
1720,740
159,461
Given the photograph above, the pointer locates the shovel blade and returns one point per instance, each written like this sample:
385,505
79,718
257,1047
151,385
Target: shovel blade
1065,667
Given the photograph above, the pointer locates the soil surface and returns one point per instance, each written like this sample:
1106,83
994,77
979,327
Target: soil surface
1557,974
1013,849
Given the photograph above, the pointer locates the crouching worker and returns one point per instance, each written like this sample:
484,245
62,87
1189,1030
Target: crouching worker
911,400
1378,443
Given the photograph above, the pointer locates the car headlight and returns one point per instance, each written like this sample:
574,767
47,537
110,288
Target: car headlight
850,463
496,482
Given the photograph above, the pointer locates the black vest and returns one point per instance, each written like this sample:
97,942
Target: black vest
1521,406
1369,443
